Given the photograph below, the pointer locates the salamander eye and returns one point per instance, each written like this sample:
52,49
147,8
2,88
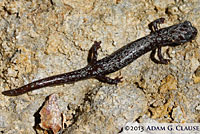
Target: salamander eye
184,26
187,23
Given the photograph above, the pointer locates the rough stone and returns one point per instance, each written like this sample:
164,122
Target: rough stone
45,38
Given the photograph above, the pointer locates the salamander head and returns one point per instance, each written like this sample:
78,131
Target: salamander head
183,32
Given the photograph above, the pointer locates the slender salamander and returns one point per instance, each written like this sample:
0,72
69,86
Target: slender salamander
170,36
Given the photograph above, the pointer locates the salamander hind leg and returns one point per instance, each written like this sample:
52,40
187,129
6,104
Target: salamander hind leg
92,56
153,26
108,80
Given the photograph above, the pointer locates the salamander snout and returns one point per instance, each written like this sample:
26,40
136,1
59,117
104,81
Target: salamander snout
187,32
183,32
192,31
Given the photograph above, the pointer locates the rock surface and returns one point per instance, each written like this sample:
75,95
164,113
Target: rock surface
44,38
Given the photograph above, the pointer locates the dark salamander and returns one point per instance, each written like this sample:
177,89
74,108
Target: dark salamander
169,36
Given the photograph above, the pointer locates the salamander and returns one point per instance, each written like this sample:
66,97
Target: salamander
170,36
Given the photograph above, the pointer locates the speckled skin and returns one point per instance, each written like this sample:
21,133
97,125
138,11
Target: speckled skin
169,36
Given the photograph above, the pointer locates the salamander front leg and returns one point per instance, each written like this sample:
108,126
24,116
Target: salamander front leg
108,80
92,56
153,26
162,60
152,56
